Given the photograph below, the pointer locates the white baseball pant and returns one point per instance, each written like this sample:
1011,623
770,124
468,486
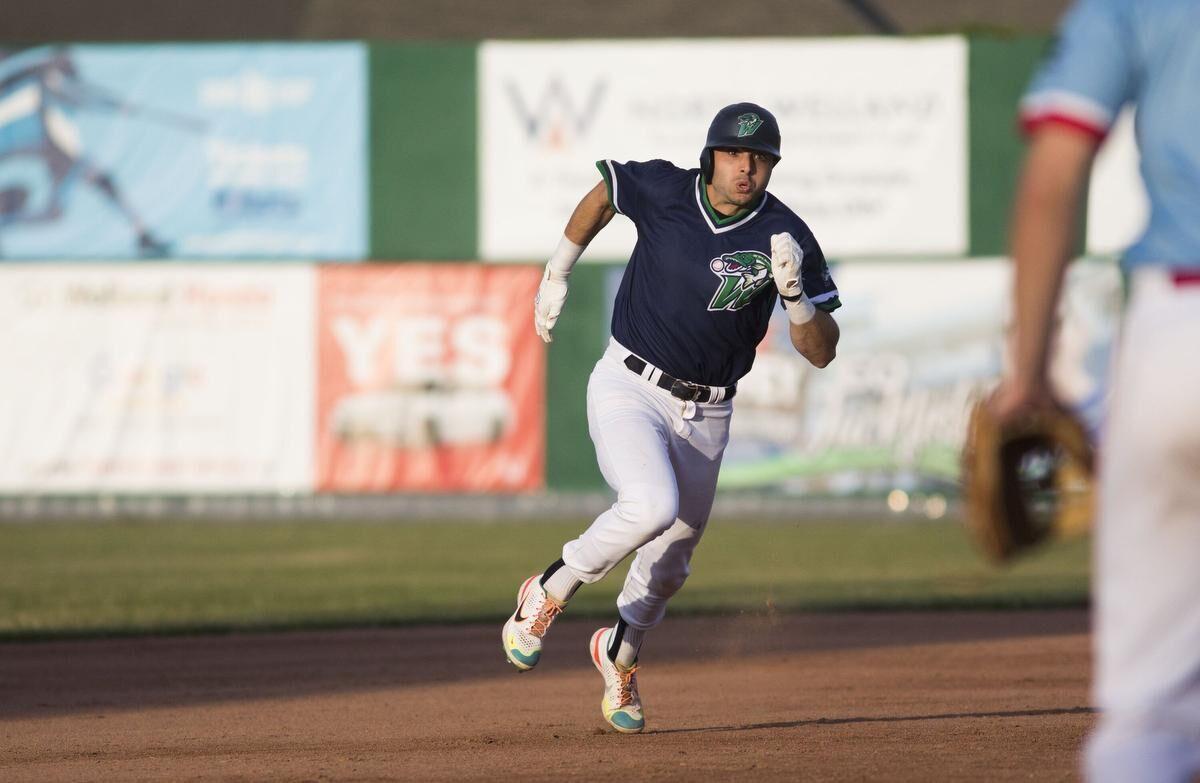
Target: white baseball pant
1147,555
661,455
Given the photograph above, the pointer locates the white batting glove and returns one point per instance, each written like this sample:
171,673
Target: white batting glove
786,255
548,304
552,292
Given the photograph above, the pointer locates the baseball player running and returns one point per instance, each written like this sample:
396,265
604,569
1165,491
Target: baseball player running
1112,53
715,252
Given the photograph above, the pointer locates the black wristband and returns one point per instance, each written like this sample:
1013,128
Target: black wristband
795,298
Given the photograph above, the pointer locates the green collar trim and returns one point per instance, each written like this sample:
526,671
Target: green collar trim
717,222
717,218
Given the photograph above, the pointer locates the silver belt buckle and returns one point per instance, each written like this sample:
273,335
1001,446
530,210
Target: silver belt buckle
688,392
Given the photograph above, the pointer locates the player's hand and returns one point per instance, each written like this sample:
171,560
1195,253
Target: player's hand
548,304
1015,399
786,256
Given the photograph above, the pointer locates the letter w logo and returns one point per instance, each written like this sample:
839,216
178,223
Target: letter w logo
556,112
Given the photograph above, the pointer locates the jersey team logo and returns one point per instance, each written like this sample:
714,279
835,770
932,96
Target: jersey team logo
743,274
748,123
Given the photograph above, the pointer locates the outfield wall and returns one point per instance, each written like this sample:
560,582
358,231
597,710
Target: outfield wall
893,147
175,378
253,181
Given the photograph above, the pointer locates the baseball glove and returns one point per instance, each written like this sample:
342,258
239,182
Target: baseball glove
1026,481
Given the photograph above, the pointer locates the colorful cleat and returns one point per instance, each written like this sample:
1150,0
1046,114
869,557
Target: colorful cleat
522,634
621,705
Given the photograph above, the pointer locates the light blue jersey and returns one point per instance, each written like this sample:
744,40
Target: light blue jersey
1145,53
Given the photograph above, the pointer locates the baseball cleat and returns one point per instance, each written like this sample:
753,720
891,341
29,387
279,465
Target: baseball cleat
621,705
522,634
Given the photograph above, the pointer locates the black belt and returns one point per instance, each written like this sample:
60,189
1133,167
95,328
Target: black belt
693,392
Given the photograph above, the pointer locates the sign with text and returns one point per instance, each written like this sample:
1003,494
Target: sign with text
183,151
431,378
921,341
156,378
874,134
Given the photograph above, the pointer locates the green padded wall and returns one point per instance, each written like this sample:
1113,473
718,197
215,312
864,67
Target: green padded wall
998,73
579,339
423,151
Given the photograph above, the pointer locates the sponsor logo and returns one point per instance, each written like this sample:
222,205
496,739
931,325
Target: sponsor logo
244,203
253,92
742,274
256,166
557,115
748,123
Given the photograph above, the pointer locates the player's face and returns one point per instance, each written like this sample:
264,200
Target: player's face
739,177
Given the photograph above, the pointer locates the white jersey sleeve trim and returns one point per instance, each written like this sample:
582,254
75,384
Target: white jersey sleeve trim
825,297
612,177
1062,103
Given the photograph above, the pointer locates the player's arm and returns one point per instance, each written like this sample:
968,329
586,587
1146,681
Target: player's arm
814,333
1042,242
591,214
815,339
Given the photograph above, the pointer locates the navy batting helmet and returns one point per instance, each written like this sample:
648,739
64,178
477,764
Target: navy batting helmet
740,126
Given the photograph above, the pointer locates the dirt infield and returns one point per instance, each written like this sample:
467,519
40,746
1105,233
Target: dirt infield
875,696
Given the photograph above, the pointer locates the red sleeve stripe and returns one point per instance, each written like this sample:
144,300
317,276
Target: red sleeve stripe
1032,122
1186,277
1065,108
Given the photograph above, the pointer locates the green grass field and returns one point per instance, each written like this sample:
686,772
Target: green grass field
66,579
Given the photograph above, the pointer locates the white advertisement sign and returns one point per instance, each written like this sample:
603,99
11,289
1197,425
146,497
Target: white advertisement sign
874,134
1118,208
921,341
159,378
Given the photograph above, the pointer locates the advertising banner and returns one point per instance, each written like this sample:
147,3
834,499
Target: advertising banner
430,379
874,134
921,341
156,378
183,151
1118,208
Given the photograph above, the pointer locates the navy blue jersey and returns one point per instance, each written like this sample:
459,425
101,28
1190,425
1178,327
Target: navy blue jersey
698,293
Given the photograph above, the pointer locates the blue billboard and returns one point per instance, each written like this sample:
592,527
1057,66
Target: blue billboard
183,151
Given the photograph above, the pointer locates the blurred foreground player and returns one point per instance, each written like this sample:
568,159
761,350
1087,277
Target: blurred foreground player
1144,54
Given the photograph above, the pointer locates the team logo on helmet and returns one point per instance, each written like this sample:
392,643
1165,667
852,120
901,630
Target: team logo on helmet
748,123
743,274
